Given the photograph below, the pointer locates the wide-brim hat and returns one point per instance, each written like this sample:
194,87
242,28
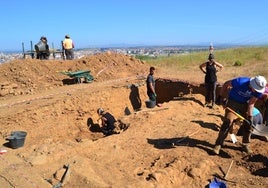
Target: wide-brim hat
258,83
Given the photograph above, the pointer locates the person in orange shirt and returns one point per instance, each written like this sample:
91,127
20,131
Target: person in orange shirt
68,47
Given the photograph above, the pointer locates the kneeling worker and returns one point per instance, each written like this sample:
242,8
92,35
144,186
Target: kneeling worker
107,122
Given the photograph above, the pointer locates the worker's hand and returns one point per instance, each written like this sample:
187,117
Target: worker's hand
224,101
250,120
221,101
153,97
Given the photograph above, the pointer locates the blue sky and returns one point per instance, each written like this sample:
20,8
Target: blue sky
136,22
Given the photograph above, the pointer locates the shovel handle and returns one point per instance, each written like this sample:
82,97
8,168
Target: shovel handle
227,173
238,115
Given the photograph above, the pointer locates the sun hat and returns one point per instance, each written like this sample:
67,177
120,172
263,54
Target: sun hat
258,83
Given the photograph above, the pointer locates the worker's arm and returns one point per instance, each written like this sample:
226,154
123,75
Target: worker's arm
202,66
224,92
251,104
152,87
220,66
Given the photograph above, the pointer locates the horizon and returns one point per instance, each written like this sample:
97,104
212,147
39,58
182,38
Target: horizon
150,23
125,46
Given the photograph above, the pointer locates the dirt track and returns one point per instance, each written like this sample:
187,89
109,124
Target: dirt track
168,146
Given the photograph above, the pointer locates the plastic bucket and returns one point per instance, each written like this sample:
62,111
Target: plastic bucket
150,104
17,139
217,184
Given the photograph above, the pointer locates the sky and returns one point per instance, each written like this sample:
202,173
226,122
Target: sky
102,23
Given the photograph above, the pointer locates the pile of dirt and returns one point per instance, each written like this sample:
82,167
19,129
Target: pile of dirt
167,146
26,76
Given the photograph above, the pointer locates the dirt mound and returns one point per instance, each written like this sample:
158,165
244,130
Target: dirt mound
167,146
25,76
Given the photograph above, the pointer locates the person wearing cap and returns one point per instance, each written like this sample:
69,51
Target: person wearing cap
68,47
107,122
210,68
243,92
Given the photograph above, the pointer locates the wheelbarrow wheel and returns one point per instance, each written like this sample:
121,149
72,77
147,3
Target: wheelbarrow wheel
78,80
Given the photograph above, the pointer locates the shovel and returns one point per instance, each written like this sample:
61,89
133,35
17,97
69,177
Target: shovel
257,129
63,178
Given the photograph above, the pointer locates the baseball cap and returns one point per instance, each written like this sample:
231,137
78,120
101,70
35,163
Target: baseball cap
100,111
258,83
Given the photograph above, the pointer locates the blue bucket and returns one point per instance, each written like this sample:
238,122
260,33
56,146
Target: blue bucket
217,184
17,139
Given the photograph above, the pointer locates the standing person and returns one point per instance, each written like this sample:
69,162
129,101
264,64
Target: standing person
107,122
210,68
68,47
150,83
42,49
242,96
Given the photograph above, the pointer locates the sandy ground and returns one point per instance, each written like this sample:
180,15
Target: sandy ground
167,146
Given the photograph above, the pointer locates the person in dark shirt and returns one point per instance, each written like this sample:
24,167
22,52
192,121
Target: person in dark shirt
42,49
150,83
107,122
210,68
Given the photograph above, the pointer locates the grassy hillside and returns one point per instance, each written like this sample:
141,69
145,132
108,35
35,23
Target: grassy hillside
248,61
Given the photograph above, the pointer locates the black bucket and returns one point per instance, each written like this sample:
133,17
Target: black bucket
150,104
17,139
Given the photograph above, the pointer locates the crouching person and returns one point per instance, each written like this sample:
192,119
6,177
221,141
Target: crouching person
109,125
107,122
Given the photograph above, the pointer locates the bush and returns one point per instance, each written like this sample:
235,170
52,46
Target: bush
238,63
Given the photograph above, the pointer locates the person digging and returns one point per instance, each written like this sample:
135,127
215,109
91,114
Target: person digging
242,96
109,125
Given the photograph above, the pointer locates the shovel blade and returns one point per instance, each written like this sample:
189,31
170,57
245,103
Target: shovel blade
260,130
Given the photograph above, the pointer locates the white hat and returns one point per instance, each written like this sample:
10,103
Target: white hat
100,111
258,83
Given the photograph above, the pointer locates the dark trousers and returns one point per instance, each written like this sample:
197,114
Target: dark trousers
265,114
229,117
210,92
69,54
151,96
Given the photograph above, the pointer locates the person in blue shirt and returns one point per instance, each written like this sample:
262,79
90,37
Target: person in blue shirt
242,94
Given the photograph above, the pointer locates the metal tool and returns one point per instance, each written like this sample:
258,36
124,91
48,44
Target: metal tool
62,181
257,129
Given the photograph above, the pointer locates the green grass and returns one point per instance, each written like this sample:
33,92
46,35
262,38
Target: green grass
245,56
252,60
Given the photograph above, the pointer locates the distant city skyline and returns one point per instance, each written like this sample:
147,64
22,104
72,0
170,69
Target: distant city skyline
107,23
